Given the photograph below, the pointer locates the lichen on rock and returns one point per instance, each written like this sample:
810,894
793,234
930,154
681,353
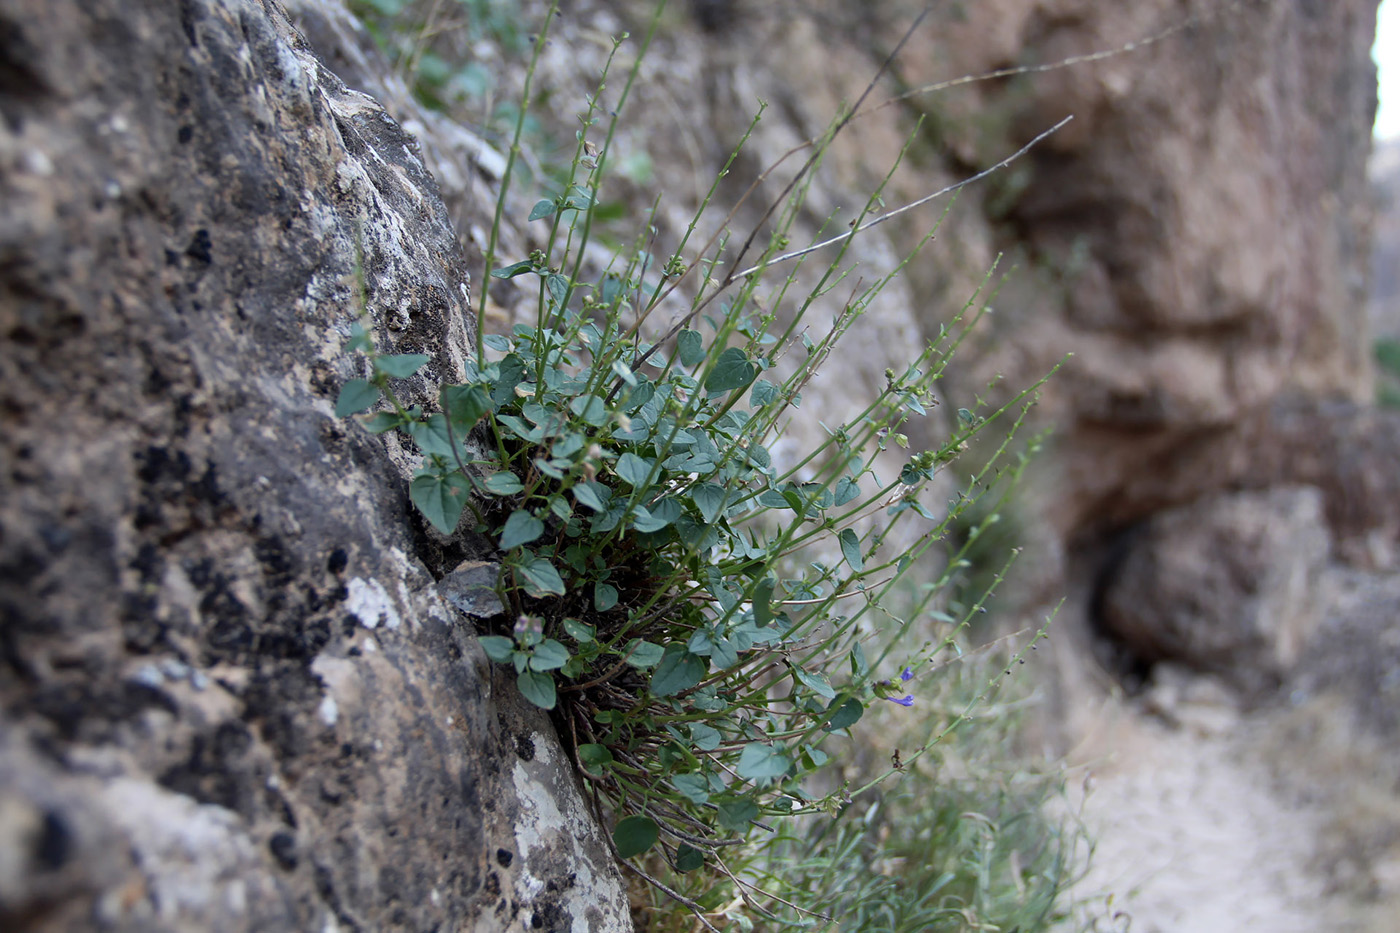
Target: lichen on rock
232,697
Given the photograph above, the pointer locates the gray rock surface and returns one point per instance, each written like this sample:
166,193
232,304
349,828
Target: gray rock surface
1229,584
231,696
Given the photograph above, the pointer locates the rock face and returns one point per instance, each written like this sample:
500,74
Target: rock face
1384,170
231,695
1230,584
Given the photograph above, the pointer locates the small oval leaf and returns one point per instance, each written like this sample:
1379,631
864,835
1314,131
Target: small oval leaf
634,835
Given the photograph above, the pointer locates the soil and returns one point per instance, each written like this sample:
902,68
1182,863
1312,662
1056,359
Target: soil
1209,817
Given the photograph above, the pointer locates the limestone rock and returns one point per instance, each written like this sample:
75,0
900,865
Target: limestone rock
231,695
1229,584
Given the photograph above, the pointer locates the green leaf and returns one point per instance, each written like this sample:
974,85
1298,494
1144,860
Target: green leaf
579,631
604,596
537,688
665,510
520,528
558,287
540,579
817,682
520,429
850,549
578,198
608,520
593,494
591,409
763,393
724,653
594,757
709,499
695,535
441,498
706,738
381,421
859,665
633,469
643,654
774,499
504,483
694,787
762,600
400,365
549,655
760,760
360,340
644,521
688,858
733,370
355,396
691,348
846,490
567,446
514,269
624,372
735,814
545,208
497,647
634,835
847,713
432,436
610,288
465,405
679,670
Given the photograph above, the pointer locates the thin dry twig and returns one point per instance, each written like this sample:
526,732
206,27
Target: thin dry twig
889,215
1087,58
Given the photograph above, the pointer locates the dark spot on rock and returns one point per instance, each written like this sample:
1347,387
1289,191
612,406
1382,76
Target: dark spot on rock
184,134
56,537
283,847
188,17
55,843
525,747
282,698
89,706
504,857
550,915
276,560
201,248
338,561
713,15
159,464
216,771
323,380
147,563
142,630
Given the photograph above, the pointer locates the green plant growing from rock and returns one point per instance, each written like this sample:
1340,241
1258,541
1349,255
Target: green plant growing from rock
657,559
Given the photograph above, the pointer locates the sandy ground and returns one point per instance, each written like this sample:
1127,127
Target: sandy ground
1207,819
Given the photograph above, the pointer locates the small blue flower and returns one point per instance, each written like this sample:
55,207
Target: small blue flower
884,688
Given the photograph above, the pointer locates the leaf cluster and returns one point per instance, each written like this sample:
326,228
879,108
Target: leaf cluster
693,608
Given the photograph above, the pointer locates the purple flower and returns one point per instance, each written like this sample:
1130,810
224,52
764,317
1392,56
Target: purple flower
885,687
